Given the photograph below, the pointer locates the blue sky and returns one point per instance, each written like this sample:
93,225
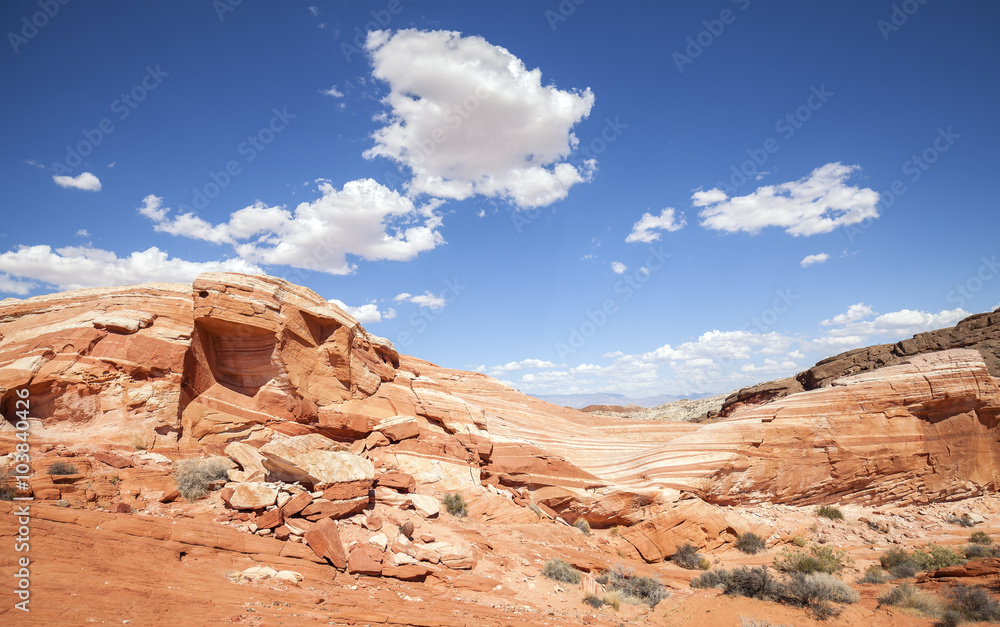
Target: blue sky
571,196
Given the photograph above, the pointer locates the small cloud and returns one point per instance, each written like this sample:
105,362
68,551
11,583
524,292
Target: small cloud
364,314
811,259
314,10
83,233
482,213
85,181
618,267
424,300
333,91
34,163
642,231
112,164
613,355
855,312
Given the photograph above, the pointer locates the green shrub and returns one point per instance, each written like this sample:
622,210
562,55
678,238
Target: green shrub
750,543
830,511
582,525
455,504
799,541
687,556
977,551
981,537
903,565
906,570
561,571
875,575
974,604
593,600
907,595
196,476
634,589
818,559
755,583
62,468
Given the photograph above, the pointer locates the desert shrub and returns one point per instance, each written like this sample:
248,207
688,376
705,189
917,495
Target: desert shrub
755,583
950,618
62,468
582,525
830,511
561,571
799,541
964,520
756,622
535,508
196,476
687,556
139,441
906,570
907,595
750,543
981,537
8,485
455,504
634,589
613,599
977,551
974,604
874,574
593,600
936,557
818,559
815,588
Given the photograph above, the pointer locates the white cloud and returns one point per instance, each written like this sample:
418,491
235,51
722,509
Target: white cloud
85,181
721,345
426,299
364,314
809,260
333,91
389,314
642,231
524,364
314,10
364,219
75,267
618,267
817,203
82,233
858,311
11,285
468,117
35,164
112,164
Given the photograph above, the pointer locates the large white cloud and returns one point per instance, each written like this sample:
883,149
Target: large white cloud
817,203
642,231
365,219
75,267
467,117
857,311
85,181
367,313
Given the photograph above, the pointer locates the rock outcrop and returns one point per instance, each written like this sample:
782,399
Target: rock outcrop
980,332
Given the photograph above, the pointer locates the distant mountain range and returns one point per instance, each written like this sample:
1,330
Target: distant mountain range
579,401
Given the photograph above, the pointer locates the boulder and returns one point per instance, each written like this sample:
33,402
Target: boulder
365,560
396,480
324,539
296,504
319,510
427,506
252,495
270,519
249,459
398,428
